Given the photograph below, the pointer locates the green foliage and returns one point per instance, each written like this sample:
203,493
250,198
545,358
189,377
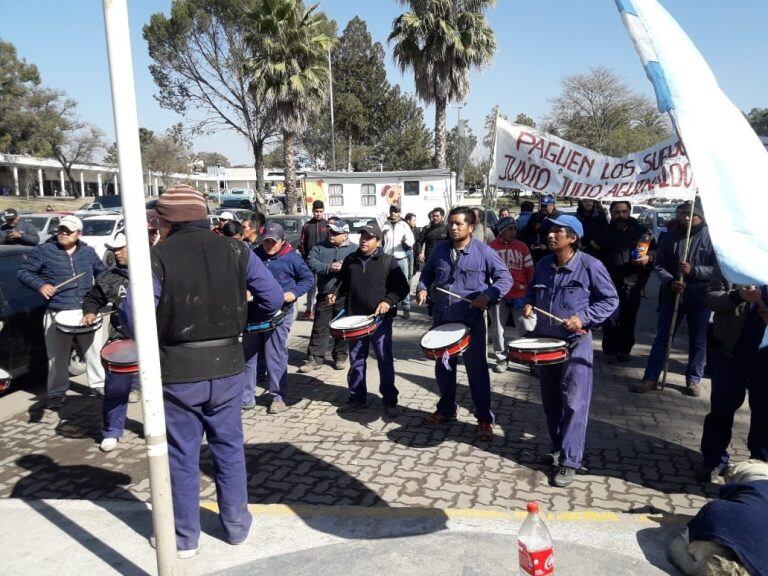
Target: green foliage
490,127
210,159
758,119
598,111
525,120
441,41
460,147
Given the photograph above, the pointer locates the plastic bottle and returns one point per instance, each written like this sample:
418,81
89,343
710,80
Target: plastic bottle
534,545
642,246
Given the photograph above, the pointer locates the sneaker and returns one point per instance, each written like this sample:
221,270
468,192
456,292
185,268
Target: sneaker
99,392
56,402
501,366
692,389
248,406
276,407
354,404
484,430
437,418
133,396
564,476
707,473
551,458
310,364
643,386
392,410
180,554
340,364
108,444
406,314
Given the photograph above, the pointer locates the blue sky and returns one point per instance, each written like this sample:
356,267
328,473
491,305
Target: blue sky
538,43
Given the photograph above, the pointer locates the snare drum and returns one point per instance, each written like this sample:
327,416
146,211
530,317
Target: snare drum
5,380
70,322
446,340
538,351
267,325
120,356
354,327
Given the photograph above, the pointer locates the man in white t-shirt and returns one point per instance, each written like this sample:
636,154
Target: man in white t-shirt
398,240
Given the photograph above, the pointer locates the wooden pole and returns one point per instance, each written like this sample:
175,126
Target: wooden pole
681,277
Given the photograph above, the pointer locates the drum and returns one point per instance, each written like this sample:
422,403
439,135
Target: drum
70,322
267,325
120,356
446,340
354,327
5,380
538,351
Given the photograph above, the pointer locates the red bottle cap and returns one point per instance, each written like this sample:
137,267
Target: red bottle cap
533,507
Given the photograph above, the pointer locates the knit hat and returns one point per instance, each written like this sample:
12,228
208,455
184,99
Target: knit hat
698,209
182,204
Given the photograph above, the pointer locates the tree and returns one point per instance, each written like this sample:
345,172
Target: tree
146,137
404,142
209,159
461,142
441,41
758,119
598,111
167,154
199,55
274,158
489,139
292,44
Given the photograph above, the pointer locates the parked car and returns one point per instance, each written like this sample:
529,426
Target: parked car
239,213
103,204
274,206
356,223
45,223
656,219
98,230
22,345
291,225
239,194
241,203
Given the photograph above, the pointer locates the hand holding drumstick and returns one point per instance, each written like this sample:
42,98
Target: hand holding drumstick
572,324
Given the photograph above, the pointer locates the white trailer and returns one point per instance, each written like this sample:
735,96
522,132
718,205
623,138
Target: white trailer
372,193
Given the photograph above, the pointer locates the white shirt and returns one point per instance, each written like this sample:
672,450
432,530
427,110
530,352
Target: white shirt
398,238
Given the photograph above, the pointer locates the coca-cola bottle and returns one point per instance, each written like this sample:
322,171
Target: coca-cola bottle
534,545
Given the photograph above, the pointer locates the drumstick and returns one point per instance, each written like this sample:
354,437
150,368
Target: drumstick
454,295
68,281
540,311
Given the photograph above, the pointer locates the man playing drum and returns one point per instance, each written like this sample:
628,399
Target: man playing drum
577,288
472,270
371,285
49,265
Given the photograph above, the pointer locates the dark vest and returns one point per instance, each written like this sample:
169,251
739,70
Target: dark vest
203,300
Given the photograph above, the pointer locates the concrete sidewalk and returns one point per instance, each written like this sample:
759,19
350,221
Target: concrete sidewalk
66,537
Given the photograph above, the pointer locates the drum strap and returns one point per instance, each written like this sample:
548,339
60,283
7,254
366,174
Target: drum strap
208,343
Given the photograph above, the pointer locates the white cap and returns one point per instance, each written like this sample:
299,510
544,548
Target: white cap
227,216
117,243
71,223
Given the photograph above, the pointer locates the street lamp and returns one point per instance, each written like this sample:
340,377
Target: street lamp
459,142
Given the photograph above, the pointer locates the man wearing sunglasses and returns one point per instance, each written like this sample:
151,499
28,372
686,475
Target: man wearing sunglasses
63,258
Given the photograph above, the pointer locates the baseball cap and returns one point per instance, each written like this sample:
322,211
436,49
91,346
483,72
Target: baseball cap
394,208
372,229
10,214
227,216
273,231
547,200
566,220
71,223
338,226
505,223
118,242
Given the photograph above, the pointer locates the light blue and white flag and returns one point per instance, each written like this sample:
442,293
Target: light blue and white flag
729,161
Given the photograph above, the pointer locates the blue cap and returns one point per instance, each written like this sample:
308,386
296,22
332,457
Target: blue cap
566,220
273,231
547,200
505,223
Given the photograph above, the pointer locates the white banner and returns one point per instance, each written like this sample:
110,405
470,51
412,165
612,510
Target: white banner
532,160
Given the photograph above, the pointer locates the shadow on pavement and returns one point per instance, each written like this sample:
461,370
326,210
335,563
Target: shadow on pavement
44,471
654,541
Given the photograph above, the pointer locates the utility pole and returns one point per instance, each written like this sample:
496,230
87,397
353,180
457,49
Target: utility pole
459,143
333,128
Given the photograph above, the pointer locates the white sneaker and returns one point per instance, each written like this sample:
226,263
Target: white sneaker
108,444
180,554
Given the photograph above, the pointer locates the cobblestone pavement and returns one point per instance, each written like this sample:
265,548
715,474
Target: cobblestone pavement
641,449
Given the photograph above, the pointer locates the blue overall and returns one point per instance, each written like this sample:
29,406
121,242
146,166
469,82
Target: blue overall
381,340
732,377
114,407
477,270
581,287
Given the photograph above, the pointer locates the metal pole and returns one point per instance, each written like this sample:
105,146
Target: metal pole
680,278
333,125
129,154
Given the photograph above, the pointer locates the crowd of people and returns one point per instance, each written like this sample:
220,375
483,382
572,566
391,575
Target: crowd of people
226,302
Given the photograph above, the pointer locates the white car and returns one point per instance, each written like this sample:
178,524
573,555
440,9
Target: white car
102,205
98,230
45,223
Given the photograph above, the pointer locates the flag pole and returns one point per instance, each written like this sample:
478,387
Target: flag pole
678,296
131,179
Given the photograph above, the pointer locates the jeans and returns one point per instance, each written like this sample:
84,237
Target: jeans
321,331
59,347
402,263
381,340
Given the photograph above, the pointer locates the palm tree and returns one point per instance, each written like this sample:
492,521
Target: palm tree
289,46
441,40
